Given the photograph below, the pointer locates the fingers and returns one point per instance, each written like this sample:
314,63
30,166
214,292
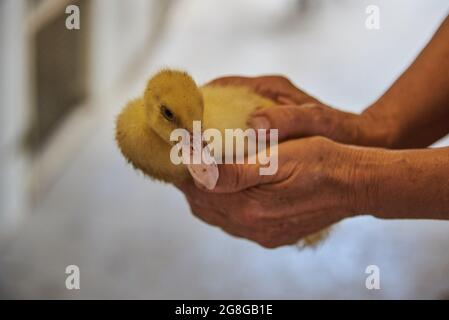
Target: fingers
241,215
274,87
222,211
231,80
232,178
261,85
295,121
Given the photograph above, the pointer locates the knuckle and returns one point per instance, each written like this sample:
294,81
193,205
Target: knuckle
268,244
278,78
232,232
293,114
327,119
239,178
319,142
285,80
269,238
319,107
283,117
316,139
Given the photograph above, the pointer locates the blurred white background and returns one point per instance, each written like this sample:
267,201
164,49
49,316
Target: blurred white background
74,200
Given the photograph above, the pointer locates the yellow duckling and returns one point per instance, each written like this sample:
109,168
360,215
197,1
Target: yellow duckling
173,100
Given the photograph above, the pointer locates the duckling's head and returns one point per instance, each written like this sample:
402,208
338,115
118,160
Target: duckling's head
172,100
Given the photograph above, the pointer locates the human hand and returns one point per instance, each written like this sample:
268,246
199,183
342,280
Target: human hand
300,115
315,186
277,88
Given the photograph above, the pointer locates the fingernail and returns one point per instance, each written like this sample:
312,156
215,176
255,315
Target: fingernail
259,122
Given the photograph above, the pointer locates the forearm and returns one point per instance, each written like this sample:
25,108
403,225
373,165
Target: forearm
414,112
393,184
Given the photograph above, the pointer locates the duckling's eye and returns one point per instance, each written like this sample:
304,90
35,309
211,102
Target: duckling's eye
167,113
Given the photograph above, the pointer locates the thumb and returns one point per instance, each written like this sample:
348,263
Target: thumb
292,121
238,177
228,178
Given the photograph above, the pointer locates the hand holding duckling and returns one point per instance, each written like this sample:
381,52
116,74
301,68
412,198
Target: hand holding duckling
172,100
299,115
311,190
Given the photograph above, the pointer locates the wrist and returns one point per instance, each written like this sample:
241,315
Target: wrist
361,179
376,130
349,182
398,184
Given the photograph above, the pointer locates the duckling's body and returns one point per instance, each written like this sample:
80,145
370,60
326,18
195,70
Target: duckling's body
172,100
228,107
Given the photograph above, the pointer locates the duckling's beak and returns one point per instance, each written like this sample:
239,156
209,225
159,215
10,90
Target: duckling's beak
203,168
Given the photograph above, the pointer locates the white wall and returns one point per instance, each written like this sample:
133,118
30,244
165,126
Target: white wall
13,111
120,32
